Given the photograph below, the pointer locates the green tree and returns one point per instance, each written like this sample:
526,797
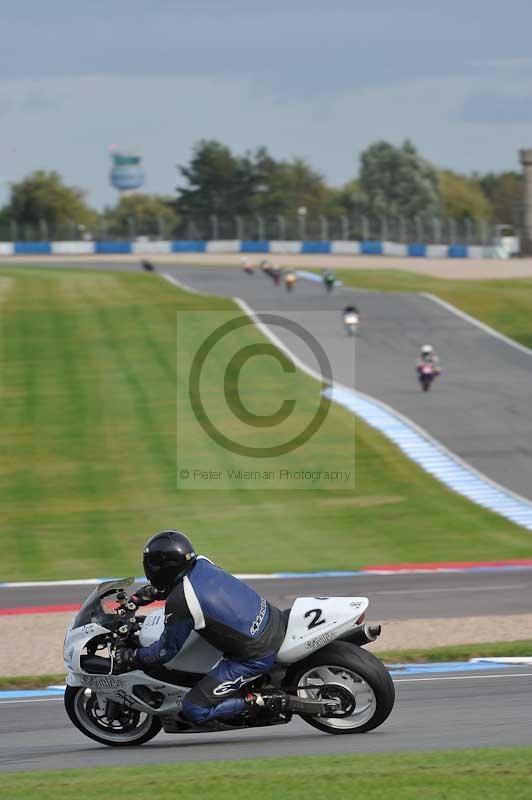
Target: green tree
4,223
144,214
504,192
396,181
462,197
218,181
351,198
41,201
289,185
225,184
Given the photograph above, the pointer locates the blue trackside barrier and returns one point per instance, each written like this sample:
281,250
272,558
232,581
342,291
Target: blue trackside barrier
34,248
112,248
417,250
188,246
315,247
311,247
371,248
250,246
457,251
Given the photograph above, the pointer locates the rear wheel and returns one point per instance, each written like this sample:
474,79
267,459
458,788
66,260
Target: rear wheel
125,729
351,675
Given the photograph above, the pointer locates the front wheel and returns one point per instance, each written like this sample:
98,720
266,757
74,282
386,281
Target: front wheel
354,676
125,729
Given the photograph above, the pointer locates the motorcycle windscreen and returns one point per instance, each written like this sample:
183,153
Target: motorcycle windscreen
100,604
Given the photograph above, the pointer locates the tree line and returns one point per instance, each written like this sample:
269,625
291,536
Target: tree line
217,184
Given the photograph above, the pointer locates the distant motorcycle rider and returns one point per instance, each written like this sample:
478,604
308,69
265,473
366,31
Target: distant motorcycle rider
329,280
276,274
348,310
266,266
225,611
427,355
351,319
290,280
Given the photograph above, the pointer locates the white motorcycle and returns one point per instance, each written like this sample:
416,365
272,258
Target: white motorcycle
322,673
351,321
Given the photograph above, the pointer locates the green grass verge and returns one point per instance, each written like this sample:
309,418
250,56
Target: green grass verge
7,683
458,652
461,652
88,393
498,774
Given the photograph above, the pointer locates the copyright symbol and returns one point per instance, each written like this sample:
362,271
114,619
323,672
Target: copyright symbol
184,474
231,392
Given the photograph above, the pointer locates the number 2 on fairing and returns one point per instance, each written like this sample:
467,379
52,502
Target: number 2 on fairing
317,612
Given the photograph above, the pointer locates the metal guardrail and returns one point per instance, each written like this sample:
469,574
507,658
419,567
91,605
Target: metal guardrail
298,227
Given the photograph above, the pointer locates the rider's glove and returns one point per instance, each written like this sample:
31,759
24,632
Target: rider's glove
145,595
125,659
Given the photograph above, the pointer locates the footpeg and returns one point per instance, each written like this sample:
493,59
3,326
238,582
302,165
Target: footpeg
276,702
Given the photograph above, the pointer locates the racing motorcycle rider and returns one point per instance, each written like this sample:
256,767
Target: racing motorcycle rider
428,356
226,612
348,311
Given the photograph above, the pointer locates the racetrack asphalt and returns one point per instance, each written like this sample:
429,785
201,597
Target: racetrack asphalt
392,597
481,406
431,712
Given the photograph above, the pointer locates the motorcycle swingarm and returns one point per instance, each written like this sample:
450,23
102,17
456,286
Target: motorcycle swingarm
312,708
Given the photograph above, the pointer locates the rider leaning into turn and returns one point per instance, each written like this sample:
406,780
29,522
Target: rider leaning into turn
223,610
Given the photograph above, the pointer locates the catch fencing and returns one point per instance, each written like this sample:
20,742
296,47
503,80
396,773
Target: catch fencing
258,228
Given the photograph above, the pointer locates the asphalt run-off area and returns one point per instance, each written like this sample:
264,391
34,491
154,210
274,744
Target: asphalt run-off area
492,438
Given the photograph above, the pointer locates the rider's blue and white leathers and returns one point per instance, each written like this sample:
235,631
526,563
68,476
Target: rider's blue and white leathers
232,617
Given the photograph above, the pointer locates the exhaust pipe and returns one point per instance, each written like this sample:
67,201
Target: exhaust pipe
363,634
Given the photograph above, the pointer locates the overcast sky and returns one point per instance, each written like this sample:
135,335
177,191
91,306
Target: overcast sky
320,80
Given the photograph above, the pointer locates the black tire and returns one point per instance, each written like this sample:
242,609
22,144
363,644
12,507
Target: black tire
364,664
72,709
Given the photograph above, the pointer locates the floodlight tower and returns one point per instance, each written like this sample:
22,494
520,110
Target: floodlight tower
526,236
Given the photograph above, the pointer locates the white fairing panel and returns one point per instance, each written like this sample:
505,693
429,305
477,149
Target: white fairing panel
196,655
351,319
316,621
75,641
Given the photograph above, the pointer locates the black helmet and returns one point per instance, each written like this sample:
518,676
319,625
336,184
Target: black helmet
168,556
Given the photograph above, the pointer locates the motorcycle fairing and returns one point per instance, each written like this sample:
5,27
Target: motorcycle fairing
316,621
196,655
121,688
306,632
75,641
